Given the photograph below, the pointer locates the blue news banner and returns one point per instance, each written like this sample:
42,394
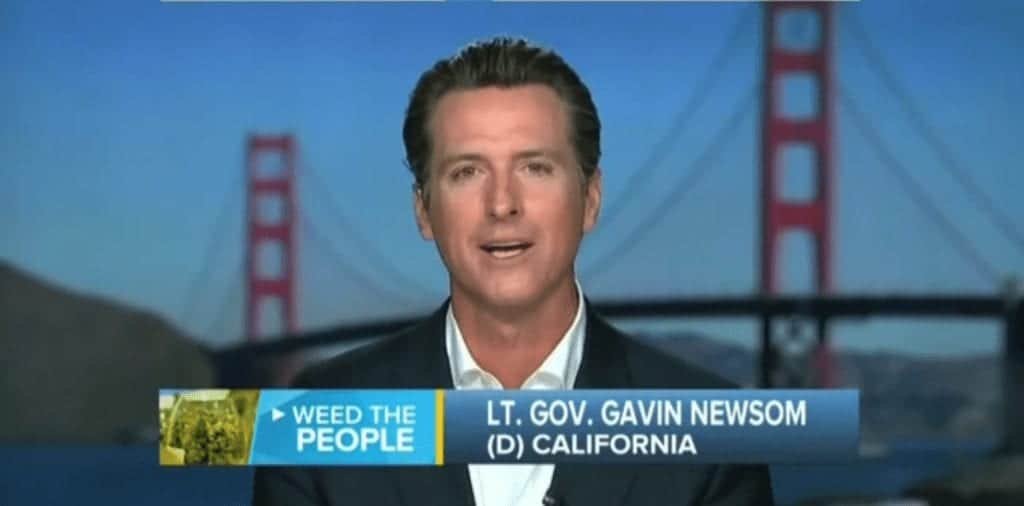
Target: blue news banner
436,427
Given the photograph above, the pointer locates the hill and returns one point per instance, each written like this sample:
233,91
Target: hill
902,397
77,368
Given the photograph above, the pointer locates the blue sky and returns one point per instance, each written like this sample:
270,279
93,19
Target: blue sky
123,127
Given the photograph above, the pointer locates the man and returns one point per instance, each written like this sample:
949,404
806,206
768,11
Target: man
503,141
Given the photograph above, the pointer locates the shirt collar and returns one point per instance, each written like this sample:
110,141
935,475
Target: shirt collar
558,371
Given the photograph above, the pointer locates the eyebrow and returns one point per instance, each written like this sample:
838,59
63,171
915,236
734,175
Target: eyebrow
522,155
536,153
464,157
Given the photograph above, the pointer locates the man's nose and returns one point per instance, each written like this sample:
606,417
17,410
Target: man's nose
503,199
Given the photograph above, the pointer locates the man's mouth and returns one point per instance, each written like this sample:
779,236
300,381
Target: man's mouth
506,249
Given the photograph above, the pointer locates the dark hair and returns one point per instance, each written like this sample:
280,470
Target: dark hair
504,62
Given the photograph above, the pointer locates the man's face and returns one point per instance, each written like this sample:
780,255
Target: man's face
505,199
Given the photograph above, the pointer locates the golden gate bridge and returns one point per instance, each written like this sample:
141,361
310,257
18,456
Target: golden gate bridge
783,136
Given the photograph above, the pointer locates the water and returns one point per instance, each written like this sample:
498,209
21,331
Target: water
130,475
904,464
112,476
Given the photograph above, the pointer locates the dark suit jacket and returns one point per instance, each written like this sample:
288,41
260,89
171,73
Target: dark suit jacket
416,358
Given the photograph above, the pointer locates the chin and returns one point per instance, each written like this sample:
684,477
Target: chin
508,294
519,291
519,298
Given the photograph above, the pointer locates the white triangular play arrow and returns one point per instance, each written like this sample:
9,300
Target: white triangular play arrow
276,414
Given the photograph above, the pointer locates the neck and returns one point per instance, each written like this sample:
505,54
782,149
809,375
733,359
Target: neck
512,343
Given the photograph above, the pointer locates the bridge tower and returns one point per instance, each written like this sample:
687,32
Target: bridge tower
270,254
789,135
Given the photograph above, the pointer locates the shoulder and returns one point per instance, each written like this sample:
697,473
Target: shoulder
654,368
650,367
373,365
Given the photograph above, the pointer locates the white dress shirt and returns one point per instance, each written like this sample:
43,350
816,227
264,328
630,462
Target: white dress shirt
516,484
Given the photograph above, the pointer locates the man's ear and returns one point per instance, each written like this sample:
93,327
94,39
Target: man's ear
592,200
419,205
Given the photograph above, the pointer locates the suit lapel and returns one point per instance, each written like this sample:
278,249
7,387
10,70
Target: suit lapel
604,366
604,356
425,365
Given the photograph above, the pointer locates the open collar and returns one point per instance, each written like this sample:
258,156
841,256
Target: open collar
604,366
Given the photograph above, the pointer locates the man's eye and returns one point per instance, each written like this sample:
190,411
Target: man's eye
539,168
463,172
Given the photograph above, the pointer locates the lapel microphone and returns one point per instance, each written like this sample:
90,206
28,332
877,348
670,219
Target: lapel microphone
555,495
551,499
